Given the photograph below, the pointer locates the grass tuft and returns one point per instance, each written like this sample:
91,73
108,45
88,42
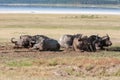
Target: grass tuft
19,64
52,63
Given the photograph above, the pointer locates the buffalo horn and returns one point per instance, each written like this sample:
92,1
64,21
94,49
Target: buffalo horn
13,40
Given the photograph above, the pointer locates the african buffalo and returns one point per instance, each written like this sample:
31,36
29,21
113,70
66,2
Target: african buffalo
84,43
47,45
22,42
100,42
66,41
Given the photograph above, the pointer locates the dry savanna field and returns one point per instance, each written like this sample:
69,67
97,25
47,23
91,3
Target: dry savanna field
23,64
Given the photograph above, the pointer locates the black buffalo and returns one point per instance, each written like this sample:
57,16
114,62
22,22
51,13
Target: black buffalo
100,42
47,45
91,43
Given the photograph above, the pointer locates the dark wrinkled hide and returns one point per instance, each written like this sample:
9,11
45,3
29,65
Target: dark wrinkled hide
94,41
88,44
100,42
84,43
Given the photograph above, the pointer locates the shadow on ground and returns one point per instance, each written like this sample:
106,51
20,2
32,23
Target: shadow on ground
116,49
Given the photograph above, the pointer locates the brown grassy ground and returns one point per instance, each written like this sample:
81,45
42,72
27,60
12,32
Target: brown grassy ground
23,64
34,65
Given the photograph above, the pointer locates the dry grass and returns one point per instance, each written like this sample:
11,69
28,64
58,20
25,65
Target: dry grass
14,25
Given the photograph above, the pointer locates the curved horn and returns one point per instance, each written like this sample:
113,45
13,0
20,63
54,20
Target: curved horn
107,35
20,37
13,41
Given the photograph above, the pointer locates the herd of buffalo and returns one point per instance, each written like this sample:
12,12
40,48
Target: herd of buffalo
77,42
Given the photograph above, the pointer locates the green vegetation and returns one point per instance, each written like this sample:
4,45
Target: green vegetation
92,22
19,63
117,73
90,16
52,63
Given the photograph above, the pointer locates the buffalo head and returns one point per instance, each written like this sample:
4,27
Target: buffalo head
106,41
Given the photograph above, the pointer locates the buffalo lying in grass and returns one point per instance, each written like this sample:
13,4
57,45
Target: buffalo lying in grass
91,44
66,41
40,42
47,45
27,41
22,42
84,43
